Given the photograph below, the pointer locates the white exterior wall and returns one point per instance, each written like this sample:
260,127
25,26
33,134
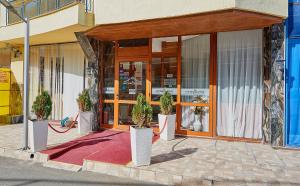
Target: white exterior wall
116,11
272,7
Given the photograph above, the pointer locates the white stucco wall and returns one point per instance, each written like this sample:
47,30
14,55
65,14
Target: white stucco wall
273,7
116,11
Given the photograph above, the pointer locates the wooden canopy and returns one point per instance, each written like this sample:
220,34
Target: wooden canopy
219,21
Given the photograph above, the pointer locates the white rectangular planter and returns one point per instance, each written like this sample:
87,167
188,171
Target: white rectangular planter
85,122
37,135
169,132
141,145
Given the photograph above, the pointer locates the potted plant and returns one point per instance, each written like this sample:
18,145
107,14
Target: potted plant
166,106
85,117
38,129
141,133
199,113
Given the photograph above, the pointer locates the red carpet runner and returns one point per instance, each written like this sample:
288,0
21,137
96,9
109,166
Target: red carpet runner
107,146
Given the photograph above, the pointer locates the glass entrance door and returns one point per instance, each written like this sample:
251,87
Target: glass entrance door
183,66
131,81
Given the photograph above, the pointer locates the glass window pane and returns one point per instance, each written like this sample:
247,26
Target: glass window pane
12,17
47,6
156,111
240,84
52,5
65,2
31,9
109,75
164,66
125,114
108,114
164,77
166,45
195,68
132,80
195,118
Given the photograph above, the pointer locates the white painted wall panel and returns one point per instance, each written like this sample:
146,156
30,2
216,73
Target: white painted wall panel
116,11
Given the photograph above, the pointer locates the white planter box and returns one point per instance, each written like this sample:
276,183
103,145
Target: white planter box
141,145
85,122
169,132
37,135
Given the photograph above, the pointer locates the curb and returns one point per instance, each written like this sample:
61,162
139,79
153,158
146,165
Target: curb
132,172
62,166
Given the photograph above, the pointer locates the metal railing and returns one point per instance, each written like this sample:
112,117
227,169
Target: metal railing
36,8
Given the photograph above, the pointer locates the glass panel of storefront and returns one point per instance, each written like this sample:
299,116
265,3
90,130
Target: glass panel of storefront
109,75
240,84
132,80
195,68
164,67
156,111
125,114
195,118
164,77
195,65
108,113
186,62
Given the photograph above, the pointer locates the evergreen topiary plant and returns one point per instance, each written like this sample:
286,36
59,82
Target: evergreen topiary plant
42,106
142,112
166,103
84,102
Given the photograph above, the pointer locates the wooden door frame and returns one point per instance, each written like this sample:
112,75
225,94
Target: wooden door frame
212,92
119,59
178,104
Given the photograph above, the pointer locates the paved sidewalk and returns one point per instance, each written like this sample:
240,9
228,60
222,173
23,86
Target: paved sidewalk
190,161
185,161
11,140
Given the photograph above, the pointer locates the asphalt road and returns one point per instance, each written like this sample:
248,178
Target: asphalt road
17,172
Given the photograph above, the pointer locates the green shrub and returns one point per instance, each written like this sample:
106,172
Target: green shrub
142,112
84,102
42,106
166,103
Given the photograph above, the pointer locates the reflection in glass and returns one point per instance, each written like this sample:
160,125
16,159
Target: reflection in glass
109,74
195,68
164,77
108,114
132,80
125,114
156,111
195,118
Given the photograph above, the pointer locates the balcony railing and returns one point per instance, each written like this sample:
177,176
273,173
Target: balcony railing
36,8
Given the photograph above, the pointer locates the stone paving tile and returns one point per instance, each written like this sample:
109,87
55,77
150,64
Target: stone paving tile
192,161
227,163
11,142
11,136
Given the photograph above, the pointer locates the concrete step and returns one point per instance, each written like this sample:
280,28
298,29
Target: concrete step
63,166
